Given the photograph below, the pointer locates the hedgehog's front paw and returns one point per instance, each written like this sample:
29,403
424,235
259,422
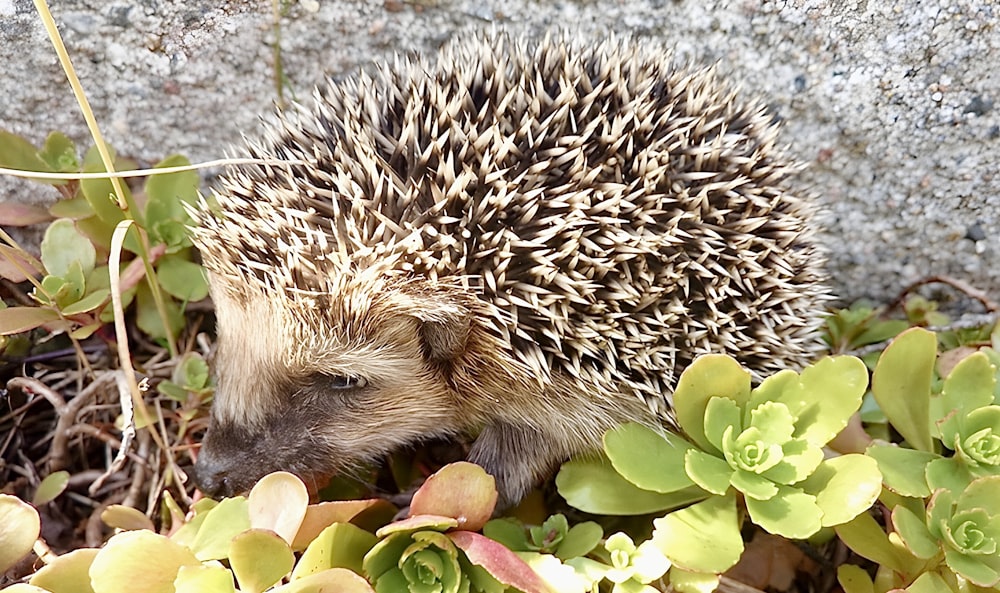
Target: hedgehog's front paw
518,458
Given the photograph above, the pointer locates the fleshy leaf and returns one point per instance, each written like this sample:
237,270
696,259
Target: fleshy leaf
753,485
144,561
825,396
903,470
914,534
418,523
219,527
901,385
580,575
686,581
100,193
14,320
259,558
649,459
775,422
946,472
983,493
339,580
500,562
69,573
181,278
19,528
972,568
51,487
18,153
205,578
844,487
579,540
278,502
866,537
790,513
87,303
799,459
721,413
854,579
970,384
62,245
979,440
704,537
126,518
593,486
710,375
59,153
931,582
460,490
18,215
168,192
708,471
322,515
340,545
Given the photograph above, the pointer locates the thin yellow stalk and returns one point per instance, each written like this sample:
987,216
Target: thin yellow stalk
125,201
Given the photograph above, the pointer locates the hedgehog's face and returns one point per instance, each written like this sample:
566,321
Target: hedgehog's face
314,389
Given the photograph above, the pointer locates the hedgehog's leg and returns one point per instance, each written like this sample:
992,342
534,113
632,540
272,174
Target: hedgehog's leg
518,456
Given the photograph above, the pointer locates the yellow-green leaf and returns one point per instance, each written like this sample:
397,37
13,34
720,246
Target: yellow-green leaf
710,375
139,562
260,558
51,487
69,573
340,580
902,385
340,545
62,245
205,578
19,528
704,537
221,524
126,518
854,579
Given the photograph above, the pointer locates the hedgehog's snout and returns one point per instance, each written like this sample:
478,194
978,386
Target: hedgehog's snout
212,478
228,464
217,476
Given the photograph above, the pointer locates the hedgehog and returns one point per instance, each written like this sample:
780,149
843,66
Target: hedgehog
520,243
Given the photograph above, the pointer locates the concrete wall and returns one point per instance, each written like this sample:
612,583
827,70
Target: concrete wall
892,103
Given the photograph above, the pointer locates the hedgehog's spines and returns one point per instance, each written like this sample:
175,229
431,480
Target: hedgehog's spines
619,213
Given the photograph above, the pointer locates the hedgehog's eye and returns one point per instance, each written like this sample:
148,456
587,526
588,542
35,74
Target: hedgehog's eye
345,381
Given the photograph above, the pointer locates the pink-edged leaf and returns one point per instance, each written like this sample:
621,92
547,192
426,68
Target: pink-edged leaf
15,320
13,266
12,214
500,562
320,516
418,523
461,490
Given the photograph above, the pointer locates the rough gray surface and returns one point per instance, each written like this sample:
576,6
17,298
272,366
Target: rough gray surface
891,103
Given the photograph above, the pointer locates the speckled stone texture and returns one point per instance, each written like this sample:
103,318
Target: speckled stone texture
892,104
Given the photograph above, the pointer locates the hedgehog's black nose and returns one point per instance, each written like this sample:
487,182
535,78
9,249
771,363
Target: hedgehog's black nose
213,478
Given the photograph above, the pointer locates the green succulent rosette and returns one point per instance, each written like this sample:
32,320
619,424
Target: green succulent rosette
633,567
966,529
422,562
767,443
761,446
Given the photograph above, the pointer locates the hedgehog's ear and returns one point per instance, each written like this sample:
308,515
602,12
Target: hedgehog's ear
444,329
